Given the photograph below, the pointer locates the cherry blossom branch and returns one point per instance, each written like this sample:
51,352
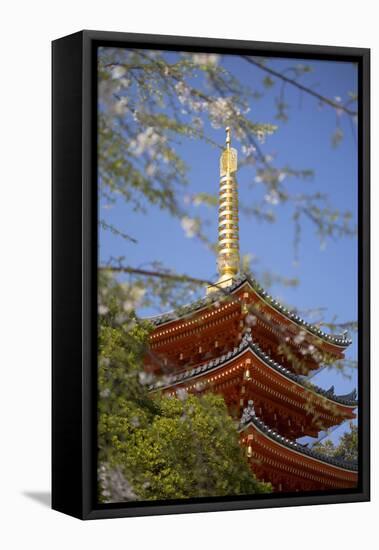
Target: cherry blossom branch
301,87
160,274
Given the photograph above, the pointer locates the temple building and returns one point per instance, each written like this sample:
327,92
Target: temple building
240,342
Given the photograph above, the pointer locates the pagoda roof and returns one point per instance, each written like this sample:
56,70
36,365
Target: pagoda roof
337,340
247,343
249,418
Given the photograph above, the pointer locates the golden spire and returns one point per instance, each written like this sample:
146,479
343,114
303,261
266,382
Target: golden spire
228,232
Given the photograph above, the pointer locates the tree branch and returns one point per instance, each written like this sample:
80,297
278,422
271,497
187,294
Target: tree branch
160,274
301,87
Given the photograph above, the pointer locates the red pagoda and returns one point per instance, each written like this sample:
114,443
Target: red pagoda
241,343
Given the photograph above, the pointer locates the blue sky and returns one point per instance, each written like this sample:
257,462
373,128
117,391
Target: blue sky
328,275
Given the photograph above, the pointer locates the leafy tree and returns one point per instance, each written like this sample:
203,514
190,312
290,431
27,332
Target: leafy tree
157,447
188,449
346,448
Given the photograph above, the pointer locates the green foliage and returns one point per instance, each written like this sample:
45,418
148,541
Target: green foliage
346,449
157,447
188,449
122,337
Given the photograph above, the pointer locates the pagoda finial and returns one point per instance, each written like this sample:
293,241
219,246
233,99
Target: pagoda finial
228,140
228,231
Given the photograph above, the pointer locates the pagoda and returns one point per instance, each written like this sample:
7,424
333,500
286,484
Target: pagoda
238,341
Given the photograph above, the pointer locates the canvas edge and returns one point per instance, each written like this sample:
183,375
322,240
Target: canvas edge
82,505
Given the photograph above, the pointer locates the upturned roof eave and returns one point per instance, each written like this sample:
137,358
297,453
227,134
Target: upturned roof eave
172,316
294,447
246,345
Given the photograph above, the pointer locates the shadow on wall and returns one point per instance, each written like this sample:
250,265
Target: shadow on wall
42,497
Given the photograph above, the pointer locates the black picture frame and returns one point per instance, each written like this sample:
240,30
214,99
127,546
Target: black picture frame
74,299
